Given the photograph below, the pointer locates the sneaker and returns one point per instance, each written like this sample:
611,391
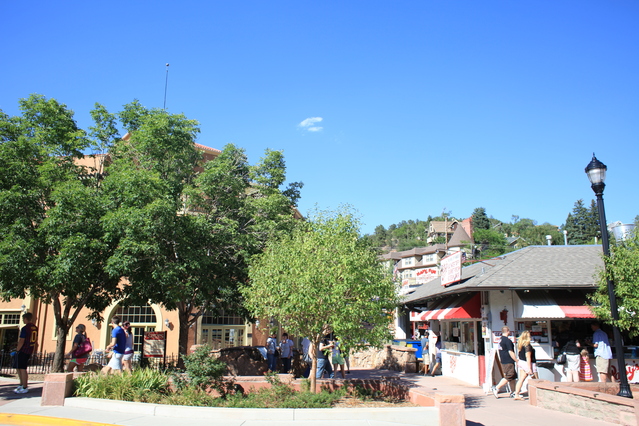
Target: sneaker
512,394
495,391
23,390
18,389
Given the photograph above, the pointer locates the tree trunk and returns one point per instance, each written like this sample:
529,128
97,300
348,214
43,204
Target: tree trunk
58,359
183,339
312,351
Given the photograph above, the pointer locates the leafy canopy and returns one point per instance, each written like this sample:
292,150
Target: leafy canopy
622,268
324,277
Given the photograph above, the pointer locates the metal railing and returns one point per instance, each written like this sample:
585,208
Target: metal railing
42,363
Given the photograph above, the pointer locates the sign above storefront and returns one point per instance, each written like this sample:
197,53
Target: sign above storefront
451,268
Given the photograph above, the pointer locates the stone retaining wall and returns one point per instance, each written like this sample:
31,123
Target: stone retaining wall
248,361
593,400
395,358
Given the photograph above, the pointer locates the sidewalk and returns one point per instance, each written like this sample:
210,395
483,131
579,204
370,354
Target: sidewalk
481,409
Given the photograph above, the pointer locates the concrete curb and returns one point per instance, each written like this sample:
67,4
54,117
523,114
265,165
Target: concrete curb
398,415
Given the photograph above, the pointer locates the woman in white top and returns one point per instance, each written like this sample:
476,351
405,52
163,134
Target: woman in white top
128,349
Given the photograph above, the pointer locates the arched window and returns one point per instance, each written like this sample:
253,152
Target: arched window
142,318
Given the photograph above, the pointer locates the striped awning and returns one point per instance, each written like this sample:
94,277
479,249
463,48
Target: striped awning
466,306
552,304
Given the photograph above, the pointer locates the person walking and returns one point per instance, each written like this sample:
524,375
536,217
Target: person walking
438,355
26,346
78,359
425,355
271,349
118,345
127,358
286,352
603,353
506,351
527,362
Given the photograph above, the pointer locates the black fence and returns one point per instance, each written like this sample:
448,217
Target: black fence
42,363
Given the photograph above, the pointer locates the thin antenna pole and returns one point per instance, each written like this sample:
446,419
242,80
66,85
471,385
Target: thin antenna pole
166,84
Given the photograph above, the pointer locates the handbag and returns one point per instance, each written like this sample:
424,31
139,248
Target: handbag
83,349
561,358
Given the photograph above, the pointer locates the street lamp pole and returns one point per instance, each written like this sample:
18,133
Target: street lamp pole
596,172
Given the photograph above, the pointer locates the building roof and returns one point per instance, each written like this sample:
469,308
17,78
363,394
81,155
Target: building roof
206,148
533,267
417,251
460,238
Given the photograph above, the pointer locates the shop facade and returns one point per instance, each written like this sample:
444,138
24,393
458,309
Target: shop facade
542,289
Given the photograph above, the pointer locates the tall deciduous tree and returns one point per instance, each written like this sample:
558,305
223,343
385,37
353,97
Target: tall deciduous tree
622,267
52,244
186,230
324,278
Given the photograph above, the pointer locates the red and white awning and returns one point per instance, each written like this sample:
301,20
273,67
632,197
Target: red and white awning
466,306
552,304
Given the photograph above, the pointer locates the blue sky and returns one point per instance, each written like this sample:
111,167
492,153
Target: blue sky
401,109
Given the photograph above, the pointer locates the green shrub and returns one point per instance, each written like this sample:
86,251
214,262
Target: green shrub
204,370
281,395
147,385
140,385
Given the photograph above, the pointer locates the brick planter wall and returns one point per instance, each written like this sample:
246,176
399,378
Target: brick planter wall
593,400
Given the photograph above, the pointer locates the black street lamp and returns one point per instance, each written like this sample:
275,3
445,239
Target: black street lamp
596,172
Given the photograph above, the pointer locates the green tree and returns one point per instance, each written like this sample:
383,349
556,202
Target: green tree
324,278
479,219
52,245
622,267
490,242
582,224
536,235
187,231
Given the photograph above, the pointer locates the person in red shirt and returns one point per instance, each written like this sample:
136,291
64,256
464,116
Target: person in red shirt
26,347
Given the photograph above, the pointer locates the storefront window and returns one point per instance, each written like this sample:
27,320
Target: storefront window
459,336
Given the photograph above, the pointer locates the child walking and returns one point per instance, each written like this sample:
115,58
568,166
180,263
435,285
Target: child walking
585,375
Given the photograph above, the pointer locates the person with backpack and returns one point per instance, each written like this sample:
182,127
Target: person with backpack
80,350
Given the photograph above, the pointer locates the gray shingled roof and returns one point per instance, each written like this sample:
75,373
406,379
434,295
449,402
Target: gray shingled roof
534,267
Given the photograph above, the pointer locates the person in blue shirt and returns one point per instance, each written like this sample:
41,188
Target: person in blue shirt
603,353
118,345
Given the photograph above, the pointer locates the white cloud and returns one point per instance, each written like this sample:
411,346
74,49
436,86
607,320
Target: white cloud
309,124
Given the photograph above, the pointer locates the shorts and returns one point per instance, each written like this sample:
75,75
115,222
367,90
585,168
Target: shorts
116,361
572,362
509,371
21,360
79,361
602,364
337,360
523,365
127,357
